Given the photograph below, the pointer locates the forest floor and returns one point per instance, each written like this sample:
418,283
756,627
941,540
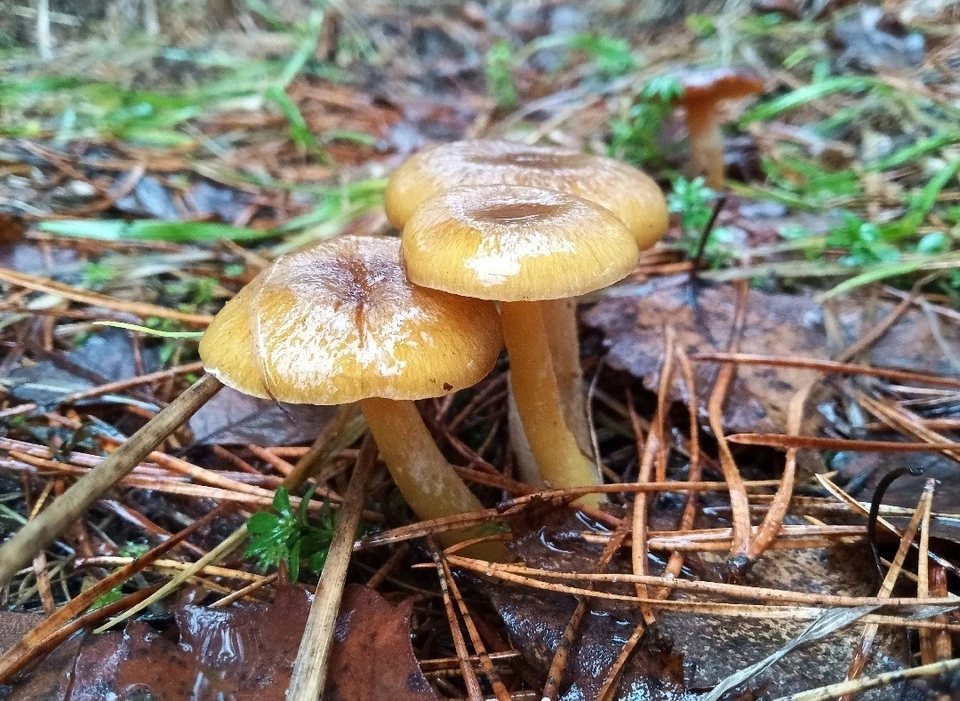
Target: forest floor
787,360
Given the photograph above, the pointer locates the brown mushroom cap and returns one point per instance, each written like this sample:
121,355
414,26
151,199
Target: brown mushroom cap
340,322
627,192
511,243
723,83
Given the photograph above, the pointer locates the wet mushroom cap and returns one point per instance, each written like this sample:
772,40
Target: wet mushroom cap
340,322
724,83
510,243
627,192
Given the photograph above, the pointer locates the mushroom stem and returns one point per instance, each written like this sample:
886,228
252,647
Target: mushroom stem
423,475
536,392
706,143
560,323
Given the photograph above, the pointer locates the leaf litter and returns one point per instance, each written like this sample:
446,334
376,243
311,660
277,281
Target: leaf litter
153,206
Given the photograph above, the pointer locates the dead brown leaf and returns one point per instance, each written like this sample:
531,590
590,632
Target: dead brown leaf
777,324
705,649
244,653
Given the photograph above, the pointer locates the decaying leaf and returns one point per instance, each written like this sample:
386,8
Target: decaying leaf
705,649
232,418
102,357
777,324
244,653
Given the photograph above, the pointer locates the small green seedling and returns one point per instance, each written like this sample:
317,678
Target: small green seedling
498,67
288,536
635,138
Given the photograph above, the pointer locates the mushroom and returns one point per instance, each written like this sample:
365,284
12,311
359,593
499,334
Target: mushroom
340,323
703,88
521,246
627,192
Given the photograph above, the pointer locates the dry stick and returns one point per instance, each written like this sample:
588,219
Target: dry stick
828,366
119,385
141,309
711,608
793,442
49,524
739,504
738,591
862,651
474,693
310,669
641,504
486,664
559,663
380,576
695,471
835,691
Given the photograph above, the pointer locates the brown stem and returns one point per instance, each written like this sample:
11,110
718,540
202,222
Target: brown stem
706,144
561,462
51,522
427,481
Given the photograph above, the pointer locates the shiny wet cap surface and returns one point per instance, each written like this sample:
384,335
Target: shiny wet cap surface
509,243
626,191
340,322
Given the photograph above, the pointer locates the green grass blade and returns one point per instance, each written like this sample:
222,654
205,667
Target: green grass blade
149,230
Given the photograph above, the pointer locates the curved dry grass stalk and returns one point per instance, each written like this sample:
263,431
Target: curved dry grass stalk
739,503
770,526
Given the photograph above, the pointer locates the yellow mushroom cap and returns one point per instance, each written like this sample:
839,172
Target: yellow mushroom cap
510,243
627,192
340,322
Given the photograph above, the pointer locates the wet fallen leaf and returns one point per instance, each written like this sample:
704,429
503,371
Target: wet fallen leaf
102,357
232,418
705,649
244,653
777,324
14,625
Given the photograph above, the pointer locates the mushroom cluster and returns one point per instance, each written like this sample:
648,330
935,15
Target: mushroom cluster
383,321
532,228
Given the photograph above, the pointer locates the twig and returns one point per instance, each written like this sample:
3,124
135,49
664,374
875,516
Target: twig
778,440
831,366
559,663
17,657
50,523
835,691
869,633
474,693
486,664
141,309
310,669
